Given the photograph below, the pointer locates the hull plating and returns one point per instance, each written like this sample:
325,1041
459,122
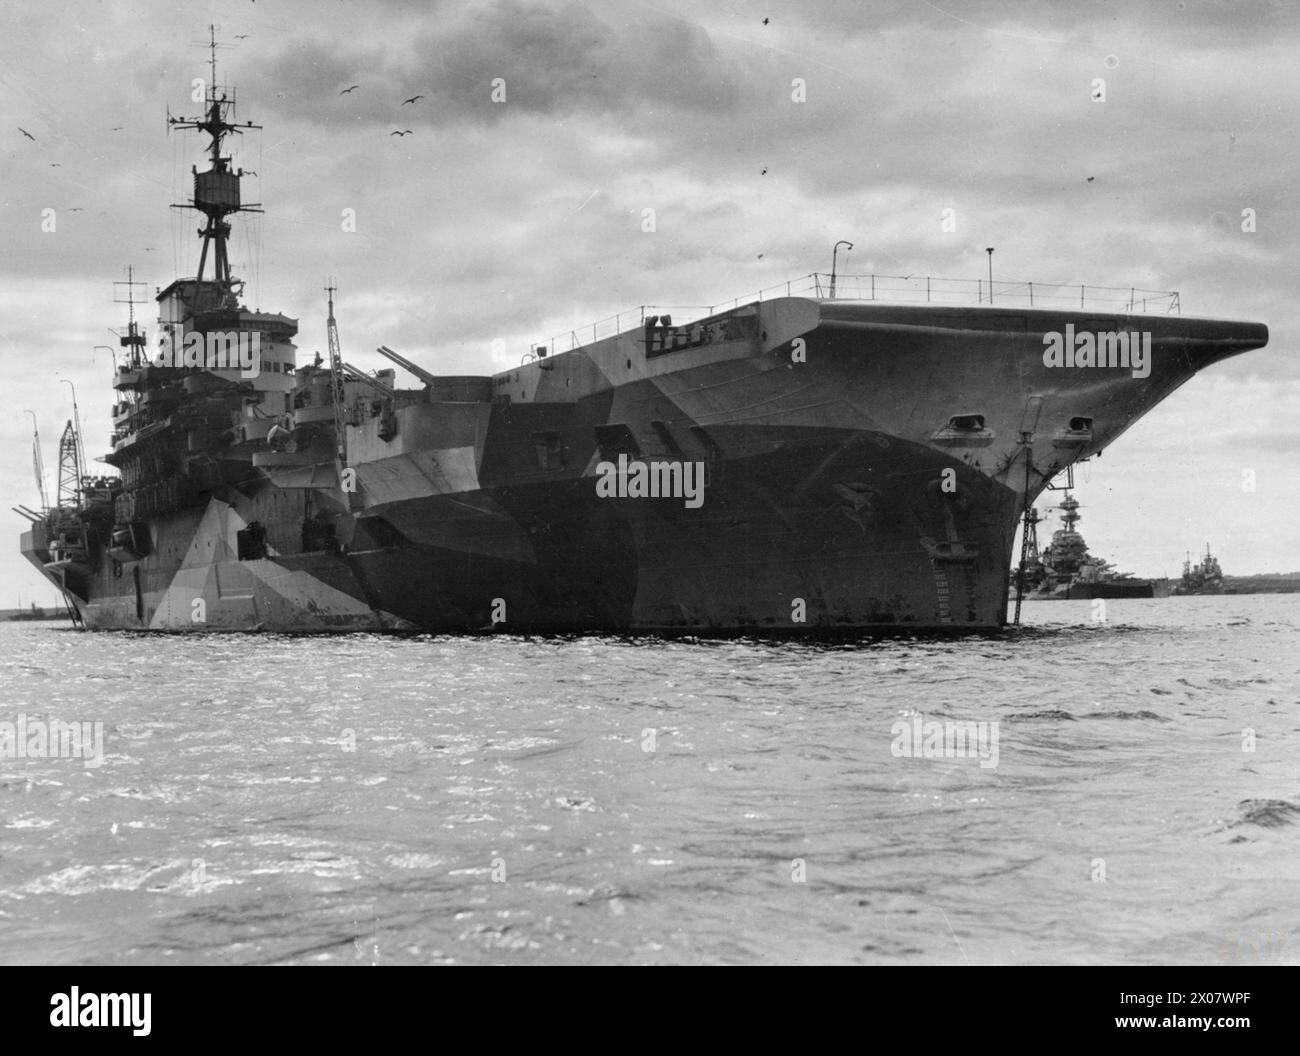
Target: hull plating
830,533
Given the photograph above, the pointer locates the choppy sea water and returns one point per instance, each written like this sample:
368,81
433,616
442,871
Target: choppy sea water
372,800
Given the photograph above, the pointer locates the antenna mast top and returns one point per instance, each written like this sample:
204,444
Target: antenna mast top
212,46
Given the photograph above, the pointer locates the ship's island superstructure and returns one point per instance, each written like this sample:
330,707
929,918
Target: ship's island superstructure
865,464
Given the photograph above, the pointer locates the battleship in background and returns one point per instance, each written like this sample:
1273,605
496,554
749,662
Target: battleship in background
1065,570
866,463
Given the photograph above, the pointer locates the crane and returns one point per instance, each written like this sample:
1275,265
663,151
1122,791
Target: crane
336,378
69,495
38,462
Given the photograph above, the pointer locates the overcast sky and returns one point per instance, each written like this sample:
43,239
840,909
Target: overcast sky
519,219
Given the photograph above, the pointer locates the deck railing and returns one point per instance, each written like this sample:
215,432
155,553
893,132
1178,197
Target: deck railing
895,289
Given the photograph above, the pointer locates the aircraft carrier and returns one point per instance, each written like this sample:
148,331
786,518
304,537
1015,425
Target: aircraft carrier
865,452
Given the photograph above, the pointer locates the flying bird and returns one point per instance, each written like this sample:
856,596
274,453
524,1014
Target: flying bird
117,128
408,132
413,99
241,36
1091,178
352,89
247,172
26,133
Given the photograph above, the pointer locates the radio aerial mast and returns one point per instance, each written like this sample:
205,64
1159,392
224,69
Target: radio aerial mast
216,191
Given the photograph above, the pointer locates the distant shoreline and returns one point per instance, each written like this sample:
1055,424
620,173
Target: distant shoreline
1269,583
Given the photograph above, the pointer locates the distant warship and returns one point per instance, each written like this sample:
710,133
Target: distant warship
864,464
1206,577
1066,570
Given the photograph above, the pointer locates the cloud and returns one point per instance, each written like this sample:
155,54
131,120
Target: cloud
503,59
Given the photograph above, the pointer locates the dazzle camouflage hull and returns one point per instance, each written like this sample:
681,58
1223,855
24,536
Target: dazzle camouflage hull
863,466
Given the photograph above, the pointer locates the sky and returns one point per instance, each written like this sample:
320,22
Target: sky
758,133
